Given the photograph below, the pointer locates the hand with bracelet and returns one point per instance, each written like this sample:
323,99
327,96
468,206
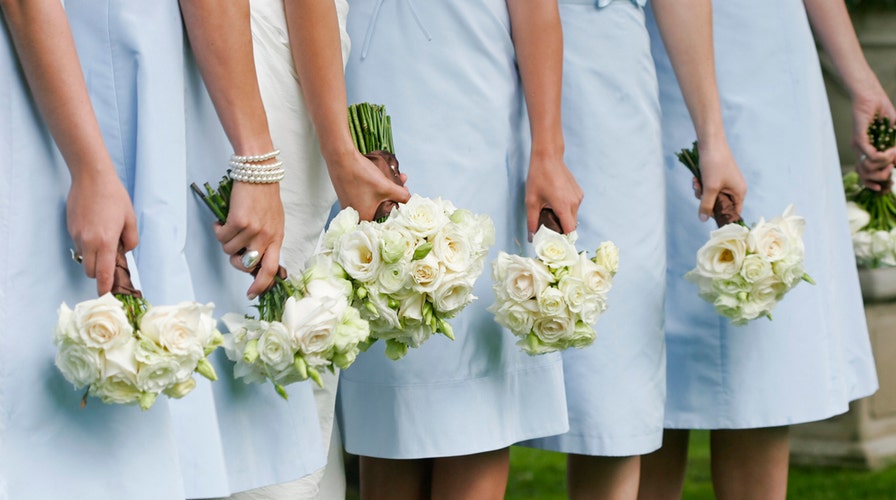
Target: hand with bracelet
220,36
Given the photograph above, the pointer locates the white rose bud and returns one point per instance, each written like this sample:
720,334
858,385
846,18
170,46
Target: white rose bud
554,249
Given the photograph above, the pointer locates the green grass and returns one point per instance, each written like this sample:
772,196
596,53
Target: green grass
536,474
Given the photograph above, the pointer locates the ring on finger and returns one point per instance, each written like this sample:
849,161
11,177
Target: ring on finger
250,258
862,158
77,257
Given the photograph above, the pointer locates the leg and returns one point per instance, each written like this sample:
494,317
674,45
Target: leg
662,472
608,478
482,476
750,463
385,479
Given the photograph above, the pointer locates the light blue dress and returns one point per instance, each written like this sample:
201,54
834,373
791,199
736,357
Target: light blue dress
814,357
611,122
446,72
220,439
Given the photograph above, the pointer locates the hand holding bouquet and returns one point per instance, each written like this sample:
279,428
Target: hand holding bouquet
872,214
553,300
745,271
127,351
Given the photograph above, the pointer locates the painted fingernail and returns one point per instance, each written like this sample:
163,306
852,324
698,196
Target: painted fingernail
704,217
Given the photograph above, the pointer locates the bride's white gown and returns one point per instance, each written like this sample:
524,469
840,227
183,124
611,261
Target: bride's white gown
307,196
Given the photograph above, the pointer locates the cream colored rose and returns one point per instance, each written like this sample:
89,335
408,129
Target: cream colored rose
755,268
451,248
66,326
312,322
552,329
574,293
102,322
583,335
359,253
722,256
157,377
768,240
596,278
555,250
520,278
517,317
607,256
183,329
422,217
275,346
451,297
552,303
79,364
426,273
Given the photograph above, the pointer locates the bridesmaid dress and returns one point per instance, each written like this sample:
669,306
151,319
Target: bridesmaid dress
814,357
446,72
615,388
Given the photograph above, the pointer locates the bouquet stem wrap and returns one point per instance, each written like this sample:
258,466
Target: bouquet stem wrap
724,211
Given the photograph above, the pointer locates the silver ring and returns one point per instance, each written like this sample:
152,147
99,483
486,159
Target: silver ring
250,259
862,158
78,258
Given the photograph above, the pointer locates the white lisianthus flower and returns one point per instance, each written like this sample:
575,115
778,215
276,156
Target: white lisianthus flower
359,253
79,364
755,268
857,216
555,250
102,322
722,256
344,222
183,329
385,315
350,331
422,217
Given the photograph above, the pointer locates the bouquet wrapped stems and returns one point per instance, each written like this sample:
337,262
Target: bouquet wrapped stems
724,210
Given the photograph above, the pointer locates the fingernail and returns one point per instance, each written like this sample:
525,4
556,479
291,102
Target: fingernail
531,234
252,296
704,217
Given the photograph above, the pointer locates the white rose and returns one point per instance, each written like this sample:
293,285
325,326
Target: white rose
857,216
517,317
66,327
479,229
755,268
102,322
520,277
788,274
181,389
452,296
422,217
250,373
723,254
275,346
861,244
451,248
118,384
426,273
765,293
553,329
551,303
147,352
592,309
597,278
554,249
574,292
79,364
183,329
607,256
793,226
359,253
344,222
729,307
163,373
583,336
769,240
312,321
322,267
411,307
880,244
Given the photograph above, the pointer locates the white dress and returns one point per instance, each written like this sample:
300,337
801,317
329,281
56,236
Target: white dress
814,357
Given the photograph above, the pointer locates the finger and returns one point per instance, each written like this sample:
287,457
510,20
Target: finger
240,243
707,202
129,235
88,260
532,212
226,232
567,220
265,276
404,178
105,268
399,194
698,188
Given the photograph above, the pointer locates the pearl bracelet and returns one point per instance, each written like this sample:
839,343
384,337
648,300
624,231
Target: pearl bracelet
255,158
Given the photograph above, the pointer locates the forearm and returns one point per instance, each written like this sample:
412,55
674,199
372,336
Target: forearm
221,38
317,54
44,42
538,41
686,28
834,30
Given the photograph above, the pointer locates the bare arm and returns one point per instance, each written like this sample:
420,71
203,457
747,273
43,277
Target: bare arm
538,41
686,28
98,211
833,27
220,35
317,54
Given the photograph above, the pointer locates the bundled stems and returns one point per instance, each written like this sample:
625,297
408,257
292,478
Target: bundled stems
724,210
371,128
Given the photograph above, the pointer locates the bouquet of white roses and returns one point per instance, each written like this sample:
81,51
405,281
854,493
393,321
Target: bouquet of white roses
127,351
552,301
872,214
745,271
412,271
301,327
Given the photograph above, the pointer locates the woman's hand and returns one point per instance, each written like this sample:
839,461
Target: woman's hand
874,167
550,184
100,216
255,222
720,174
360,184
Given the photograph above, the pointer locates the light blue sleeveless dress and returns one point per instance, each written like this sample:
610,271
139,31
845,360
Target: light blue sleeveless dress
611,122
814,357
446,72
163,133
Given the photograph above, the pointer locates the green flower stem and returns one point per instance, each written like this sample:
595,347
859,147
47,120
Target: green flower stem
370,127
